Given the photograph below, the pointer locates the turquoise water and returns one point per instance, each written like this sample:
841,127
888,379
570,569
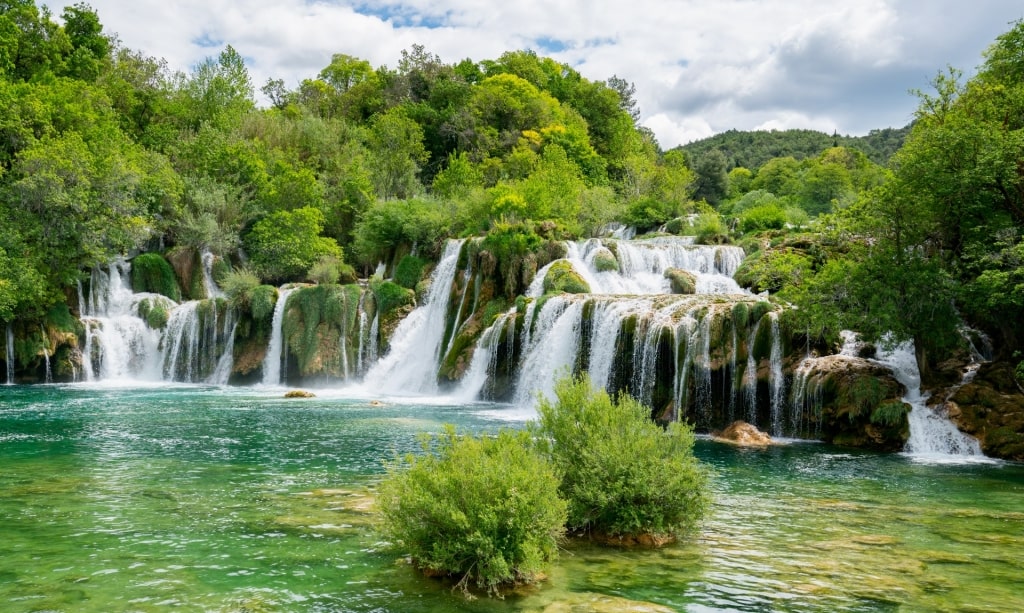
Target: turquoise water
207,499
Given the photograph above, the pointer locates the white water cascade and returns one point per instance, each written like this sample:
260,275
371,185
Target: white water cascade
46,356
9,355
118,343
275,350
209,286
410,367
776,378
932,436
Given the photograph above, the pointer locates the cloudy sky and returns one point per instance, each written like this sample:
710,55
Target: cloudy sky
700,66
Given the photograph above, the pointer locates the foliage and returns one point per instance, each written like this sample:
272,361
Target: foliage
243,290
409,271
889,414
709,229
762,217
390,224
773,270
621,473
152,273
483,509
390,296
751,149
284,245
154,313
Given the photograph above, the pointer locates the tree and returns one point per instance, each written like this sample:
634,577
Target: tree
219,91
711,183
284,245
89,47
396,153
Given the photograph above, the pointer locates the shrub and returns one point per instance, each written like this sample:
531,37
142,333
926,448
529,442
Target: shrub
238,285
285,244
622,474
772,271
710,229
154,313
326,270
485,510
152,273
889,414
764,217
409,271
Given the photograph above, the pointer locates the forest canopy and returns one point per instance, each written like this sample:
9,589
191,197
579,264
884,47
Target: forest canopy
106,152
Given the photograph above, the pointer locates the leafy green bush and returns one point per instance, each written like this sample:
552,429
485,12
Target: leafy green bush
326,270
285,244
152,273
238,285
262,301
710,229
773,270
622,474
484,509
153,313
409,271
764,217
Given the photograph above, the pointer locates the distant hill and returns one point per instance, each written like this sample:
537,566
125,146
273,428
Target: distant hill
751,149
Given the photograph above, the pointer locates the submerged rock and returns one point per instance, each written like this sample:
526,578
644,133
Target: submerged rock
603,603
743,434
299,394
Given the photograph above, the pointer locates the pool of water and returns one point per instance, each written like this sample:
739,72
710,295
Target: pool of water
235,499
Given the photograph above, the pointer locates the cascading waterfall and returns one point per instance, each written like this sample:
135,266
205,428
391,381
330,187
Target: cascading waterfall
750,377
272,372
9,356
410,367
225,363
553,352
776,378
732,371
932,436
46,355
118,344
212,289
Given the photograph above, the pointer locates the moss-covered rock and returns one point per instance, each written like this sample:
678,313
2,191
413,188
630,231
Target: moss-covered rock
991,408
561,278
681,281
605,260
154,274
320,328
409,271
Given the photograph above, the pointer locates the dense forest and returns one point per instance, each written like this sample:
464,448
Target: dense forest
105,152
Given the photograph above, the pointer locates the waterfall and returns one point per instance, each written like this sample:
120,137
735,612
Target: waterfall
700,344
606,323
209,286
777,380
932,436
412,362
225,364
118,343
272,374
552,349
485,356
732,371
750,377
46,355
10,354
466,276
182,341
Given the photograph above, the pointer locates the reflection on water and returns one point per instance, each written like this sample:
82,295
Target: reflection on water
238,500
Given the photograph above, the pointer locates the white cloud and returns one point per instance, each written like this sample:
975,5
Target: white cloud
700,66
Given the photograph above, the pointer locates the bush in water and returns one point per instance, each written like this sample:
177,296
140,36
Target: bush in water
622,474
483,509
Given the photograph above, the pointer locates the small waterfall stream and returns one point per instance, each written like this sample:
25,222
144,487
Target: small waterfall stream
410,367
272,372
9,355
932,436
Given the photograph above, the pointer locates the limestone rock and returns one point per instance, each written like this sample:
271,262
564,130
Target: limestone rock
743,434
604,260
299,394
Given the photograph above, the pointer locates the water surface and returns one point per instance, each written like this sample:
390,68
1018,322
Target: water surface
235,499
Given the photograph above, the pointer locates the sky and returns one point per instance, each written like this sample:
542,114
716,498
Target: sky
700,67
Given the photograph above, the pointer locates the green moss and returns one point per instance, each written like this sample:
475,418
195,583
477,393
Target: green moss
153,313
152,273
889,414
681,281
409,271
759,310
390,296
561,278
605,261
740,315
262,300
863,396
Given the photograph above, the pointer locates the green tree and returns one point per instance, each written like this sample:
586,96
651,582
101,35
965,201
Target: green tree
396,153
284,245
